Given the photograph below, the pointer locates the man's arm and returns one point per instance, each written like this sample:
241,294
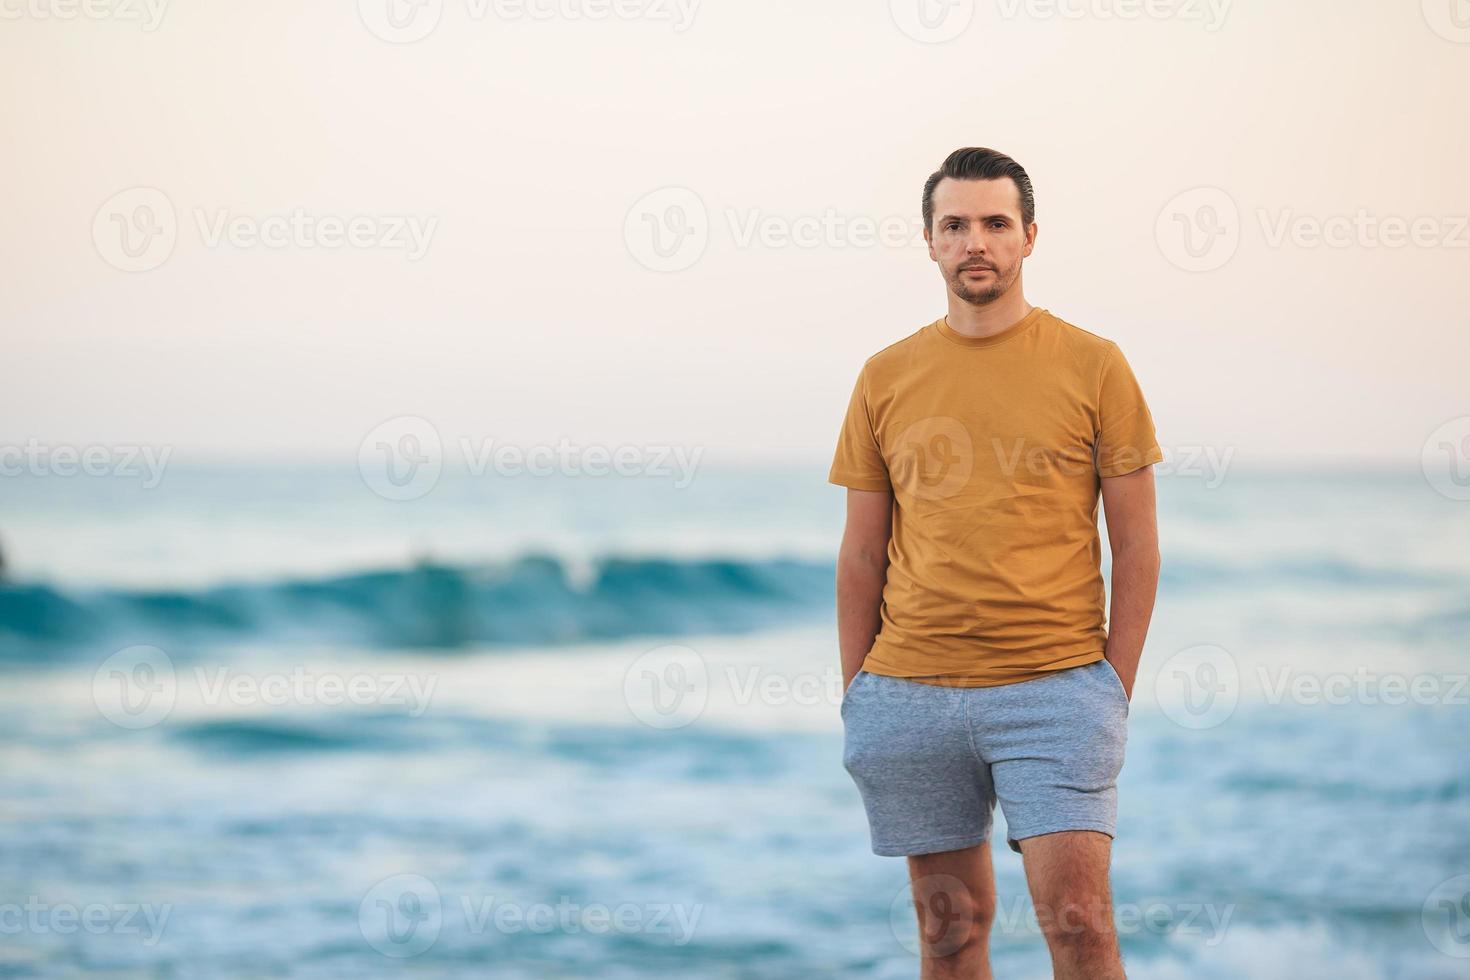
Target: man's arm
862,569
1133,536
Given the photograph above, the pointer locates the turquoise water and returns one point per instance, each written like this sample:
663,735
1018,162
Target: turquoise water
513,791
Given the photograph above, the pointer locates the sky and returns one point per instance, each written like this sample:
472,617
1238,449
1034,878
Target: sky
265,230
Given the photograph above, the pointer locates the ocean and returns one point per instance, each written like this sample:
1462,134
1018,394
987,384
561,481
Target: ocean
263,722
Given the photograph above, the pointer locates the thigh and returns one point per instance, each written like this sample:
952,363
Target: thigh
1067,875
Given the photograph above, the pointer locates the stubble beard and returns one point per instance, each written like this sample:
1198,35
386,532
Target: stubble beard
982,295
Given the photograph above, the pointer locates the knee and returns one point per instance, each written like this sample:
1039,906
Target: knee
953,921
1079,924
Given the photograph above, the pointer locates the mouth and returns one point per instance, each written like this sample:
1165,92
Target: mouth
974,272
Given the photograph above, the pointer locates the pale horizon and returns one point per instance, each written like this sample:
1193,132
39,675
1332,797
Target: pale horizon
521,164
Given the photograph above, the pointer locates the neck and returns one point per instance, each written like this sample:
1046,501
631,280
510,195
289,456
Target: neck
993,317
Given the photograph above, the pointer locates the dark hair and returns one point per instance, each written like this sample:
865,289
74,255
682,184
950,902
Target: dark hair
979,163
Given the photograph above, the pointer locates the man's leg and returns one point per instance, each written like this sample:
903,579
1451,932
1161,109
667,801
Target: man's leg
954,894
930,798
1055,746
1067,874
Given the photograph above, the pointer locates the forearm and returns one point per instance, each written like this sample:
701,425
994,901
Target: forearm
1135,585
860,579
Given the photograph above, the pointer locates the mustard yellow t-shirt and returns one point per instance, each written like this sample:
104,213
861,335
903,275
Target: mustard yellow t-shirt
993,448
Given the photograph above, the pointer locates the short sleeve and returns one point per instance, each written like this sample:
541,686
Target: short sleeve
858,462
1125,436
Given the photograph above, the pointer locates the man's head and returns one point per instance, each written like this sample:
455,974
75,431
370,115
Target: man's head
980,222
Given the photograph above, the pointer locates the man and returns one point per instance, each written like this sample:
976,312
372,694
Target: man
977,662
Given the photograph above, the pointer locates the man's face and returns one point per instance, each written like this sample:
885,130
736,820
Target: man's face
977,237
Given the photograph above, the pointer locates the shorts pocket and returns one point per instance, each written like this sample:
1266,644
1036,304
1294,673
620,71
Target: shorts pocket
1118,684
857,679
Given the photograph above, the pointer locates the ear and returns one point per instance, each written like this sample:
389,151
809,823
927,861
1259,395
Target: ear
929,241
1030,240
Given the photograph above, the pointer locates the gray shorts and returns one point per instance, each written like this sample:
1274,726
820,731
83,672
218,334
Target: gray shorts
932,760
